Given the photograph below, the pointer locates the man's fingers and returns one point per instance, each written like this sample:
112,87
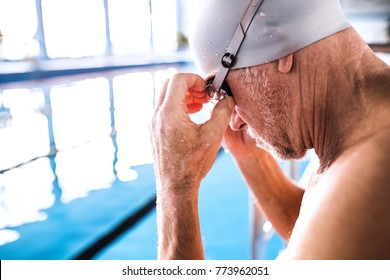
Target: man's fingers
220,118
178,87
162,94
199,94
191,99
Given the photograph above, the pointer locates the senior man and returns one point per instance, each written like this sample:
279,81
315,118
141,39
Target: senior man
289,76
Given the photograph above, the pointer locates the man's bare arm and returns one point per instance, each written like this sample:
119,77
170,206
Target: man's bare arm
183,153
277,196
178,226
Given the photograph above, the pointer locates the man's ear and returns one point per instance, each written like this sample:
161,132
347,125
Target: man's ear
285,64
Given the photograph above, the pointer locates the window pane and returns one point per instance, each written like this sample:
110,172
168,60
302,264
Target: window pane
164,26
18,24
130,26
371,19
74,28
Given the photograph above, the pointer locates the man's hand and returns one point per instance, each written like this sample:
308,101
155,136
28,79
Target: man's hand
184,151
238,143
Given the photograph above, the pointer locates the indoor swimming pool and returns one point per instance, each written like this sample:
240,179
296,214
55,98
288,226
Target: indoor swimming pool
76,174
77,179
76,97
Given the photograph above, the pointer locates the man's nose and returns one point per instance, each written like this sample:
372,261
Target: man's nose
236,123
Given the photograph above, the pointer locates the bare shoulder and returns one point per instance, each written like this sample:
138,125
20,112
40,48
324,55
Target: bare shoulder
347,214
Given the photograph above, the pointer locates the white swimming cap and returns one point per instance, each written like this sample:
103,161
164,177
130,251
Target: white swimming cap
279,28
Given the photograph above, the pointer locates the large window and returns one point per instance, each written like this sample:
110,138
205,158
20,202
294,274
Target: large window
164,25
74,29
130,27
143,26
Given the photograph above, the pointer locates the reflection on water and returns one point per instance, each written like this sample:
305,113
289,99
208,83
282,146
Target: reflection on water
25,192
81,112
133,101
62,140
8,236
85,168
25,136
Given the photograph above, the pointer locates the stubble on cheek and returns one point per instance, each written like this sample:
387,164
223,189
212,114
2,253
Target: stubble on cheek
270,122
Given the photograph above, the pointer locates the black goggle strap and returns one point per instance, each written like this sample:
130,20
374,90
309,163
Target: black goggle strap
229,57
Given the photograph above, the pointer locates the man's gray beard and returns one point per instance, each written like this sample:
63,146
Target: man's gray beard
261,143
280,154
